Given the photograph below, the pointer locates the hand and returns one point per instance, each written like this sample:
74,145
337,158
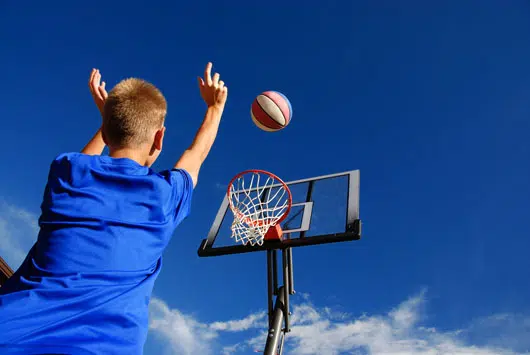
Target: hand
99,94
213,91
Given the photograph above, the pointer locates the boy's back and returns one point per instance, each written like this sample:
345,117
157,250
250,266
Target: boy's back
104,225
85,286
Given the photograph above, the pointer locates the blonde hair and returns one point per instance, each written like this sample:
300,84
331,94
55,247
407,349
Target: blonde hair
133,111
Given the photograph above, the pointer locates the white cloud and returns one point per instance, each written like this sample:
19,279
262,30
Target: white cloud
319,331
249,322
501,330
324,331
186,335
397,332
18,232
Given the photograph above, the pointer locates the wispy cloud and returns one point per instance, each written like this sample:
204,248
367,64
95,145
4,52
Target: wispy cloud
317,331
249,322
502,330
324,331
18,232
186,335
183,333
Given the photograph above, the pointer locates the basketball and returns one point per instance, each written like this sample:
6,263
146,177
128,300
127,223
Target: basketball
271,111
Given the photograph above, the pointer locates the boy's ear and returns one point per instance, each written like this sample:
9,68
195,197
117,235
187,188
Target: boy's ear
159,138
104,137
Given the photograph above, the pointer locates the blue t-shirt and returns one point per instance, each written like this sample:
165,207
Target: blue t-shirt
85,286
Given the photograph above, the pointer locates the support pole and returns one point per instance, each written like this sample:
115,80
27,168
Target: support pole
275,271
270,286
275,330
286,285
290,266
280,312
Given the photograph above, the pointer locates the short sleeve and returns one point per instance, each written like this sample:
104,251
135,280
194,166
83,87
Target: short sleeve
60,170
182,186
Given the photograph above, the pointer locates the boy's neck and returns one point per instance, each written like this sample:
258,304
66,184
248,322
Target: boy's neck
134,154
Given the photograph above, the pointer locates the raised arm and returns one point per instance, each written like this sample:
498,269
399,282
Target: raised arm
96,145
214,94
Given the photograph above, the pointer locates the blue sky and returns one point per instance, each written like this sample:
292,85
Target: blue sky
430,101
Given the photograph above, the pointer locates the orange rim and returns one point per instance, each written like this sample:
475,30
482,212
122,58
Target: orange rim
243,217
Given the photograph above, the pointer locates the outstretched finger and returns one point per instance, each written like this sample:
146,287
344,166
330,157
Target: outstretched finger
102,91
93,88
94,81
216,79
97,79
208,73
91,77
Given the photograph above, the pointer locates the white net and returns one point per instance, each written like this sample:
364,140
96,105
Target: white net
258,201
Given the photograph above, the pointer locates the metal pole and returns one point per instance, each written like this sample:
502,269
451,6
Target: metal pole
286,283
290,266
280,350
270,289
275,271
275,330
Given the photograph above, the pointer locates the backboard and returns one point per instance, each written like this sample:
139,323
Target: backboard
325,209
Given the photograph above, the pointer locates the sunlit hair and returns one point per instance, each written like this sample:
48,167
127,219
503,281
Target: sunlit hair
133,112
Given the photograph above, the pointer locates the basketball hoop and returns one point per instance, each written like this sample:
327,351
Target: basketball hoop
260,201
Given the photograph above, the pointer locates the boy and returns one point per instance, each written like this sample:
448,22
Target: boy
85,285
